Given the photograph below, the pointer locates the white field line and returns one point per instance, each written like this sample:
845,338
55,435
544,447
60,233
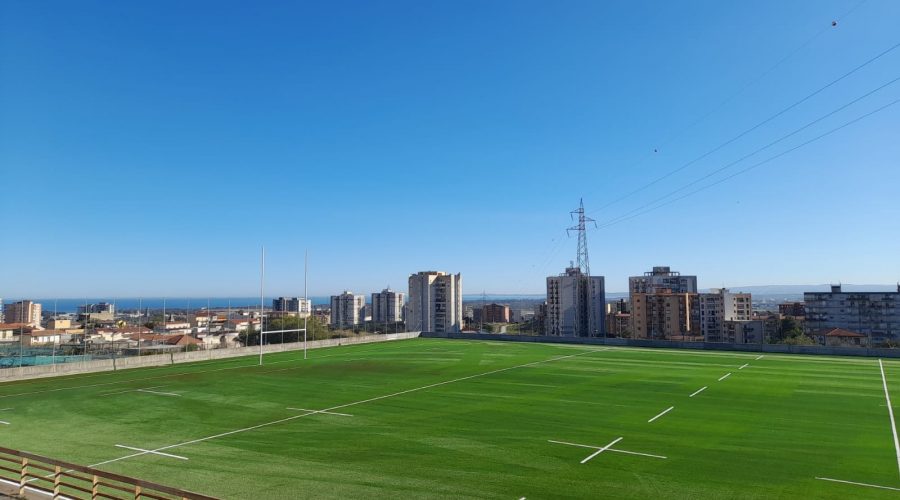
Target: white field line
698,391
760,357
601,450
321,411
170,375
148,391
129,390
723,377
858,484
6,409
629,452
4,422
338,407
744,366
667,410
149,451
887,397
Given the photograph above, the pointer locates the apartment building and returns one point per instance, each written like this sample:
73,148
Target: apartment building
874,314
576,305
347,309
387,306
435,302
718,306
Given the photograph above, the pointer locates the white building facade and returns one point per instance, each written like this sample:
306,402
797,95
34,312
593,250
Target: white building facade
435,302
717,307
347,309
662,278
387,306
576,305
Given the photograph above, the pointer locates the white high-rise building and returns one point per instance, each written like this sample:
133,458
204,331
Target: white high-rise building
300,306
347,309
23,311
387,306
719,306
435,302
576,305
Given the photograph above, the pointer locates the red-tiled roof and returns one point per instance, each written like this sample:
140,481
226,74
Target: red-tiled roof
838,332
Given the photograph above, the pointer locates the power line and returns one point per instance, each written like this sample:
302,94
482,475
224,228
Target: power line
751,129
763,148
751,167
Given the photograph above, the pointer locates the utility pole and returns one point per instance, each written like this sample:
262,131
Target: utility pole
585,288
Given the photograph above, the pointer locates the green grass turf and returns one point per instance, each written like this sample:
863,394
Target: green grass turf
764,432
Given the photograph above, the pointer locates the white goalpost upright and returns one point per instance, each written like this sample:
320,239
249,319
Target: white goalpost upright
262,305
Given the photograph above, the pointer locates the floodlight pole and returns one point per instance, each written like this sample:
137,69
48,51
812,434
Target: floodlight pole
262,278
306,297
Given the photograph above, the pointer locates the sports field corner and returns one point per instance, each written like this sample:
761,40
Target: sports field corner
456,418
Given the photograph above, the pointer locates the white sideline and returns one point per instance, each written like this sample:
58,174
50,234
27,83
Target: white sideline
698,391
744,366
321,411
858,484
601,450
608,449
723,377
338,407
887,397
148,451
667,410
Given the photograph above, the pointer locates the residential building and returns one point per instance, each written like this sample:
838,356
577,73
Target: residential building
576,305
102,311
717,307
495,313
662,315
839,337
293,306
662,278
387,306
743,331
23,311
347,309
874,314
435,302
618,324
795,309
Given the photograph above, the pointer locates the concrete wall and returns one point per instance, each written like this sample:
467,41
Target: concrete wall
101,365
717,346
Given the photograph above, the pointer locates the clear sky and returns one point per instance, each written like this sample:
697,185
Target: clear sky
151,148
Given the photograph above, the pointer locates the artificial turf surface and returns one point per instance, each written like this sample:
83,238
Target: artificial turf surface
457,418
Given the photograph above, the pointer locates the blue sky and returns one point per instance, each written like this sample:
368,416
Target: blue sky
151,148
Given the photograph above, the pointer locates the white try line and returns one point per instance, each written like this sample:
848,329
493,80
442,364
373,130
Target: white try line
887,397
858,484
617,450
601,450
338,407
667,410
150,451
698,391
723,377
744,366
321,411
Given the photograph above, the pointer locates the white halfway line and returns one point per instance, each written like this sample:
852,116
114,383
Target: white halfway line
629,452
151,451
338,407
601,450
667,410
723,377
887,396
698,391
858,484
745,366
321,411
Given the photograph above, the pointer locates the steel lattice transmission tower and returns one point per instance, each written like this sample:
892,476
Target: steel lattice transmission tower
582,260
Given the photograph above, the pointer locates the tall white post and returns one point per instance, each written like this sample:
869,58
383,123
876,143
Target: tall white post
262,279
306,298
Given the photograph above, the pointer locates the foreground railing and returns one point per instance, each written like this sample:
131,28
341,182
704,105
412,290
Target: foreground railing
32,476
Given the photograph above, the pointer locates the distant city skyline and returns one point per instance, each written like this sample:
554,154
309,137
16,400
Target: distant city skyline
147,153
